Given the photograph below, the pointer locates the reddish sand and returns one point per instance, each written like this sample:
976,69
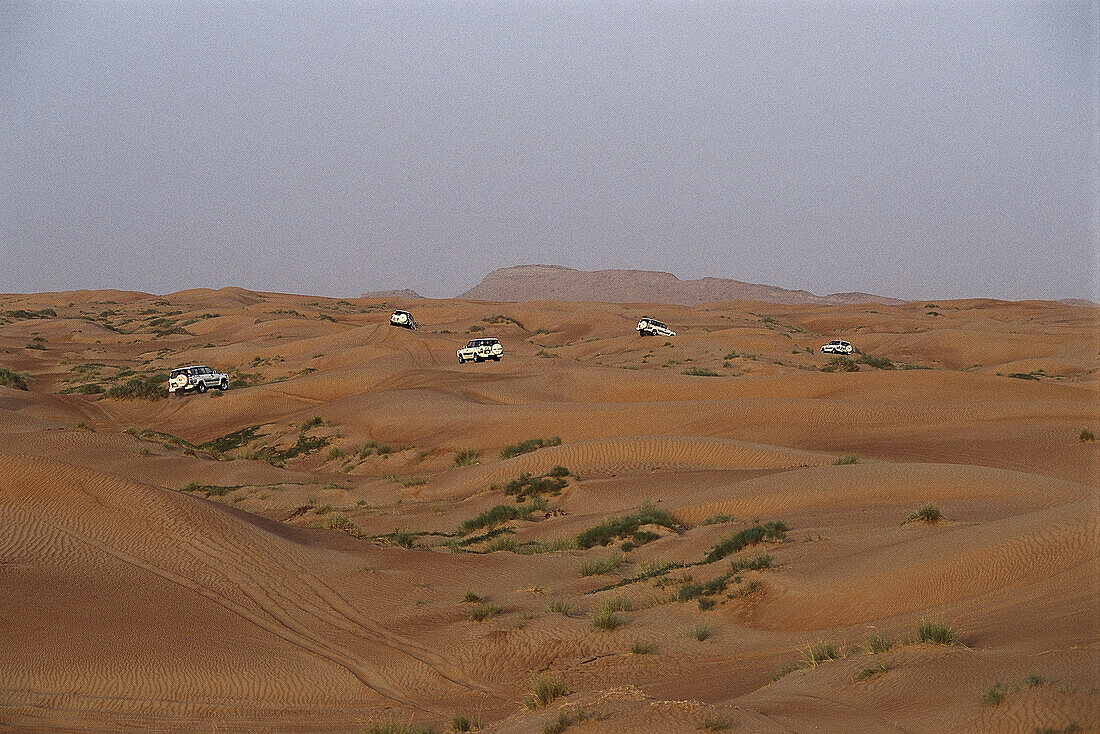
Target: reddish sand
277,596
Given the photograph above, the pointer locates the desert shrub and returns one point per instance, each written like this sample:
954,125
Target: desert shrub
402,538
1084,436
617,604
816,654
374,447
22,313
869,672
928,514
995,694
498,515
312,423
397,727
531,444
344,525
937,633
716,520
706,603
846,459
526,485
700,632
152,386
714,722
784,669
840,364
775,530
747,589
547,355
881,363
600,567
1034,680
641,647
701,372
464,723
466,457
620,527
607,621
414,482
484,610
544,692
303,447
471,596
751,564
210,490
559,606
877,644
558,725
233,440
1035,375
504,543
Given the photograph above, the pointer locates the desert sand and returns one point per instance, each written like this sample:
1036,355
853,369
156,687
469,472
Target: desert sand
290,556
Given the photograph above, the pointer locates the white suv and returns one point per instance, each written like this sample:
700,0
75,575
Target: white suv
837,346
481,349
197,377
653,328
403,319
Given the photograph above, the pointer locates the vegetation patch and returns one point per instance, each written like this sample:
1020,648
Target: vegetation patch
627,525
607,621
775,530
544,691
23,314
881,363
751,564
466,457
500,514
872,671
701,372
152,386
234,440
525,447
878,644
601,566
928,514
210,490
485,610
841,364
846,459
500,318
716,723
464,723
526,485
937,633
13,379
699,632
1085,436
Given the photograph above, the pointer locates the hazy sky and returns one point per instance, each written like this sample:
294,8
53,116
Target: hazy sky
910,149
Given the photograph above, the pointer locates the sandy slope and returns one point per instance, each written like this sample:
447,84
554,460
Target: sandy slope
275,595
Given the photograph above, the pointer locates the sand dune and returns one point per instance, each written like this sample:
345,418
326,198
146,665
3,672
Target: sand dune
311,550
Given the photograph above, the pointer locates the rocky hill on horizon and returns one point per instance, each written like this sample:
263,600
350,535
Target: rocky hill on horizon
559,283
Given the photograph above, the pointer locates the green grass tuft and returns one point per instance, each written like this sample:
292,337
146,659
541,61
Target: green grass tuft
928,514
713,722
601,566
465,723
776,530
607,621
847,459
937,633
995,694
531,444
466,457
544,691
878,644
869,672
626,525
1085,436
700,632
642,647
485,610
12,379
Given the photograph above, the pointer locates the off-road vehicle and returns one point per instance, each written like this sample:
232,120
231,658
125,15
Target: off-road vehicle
197,377
481,349
652,327
403,319
837,346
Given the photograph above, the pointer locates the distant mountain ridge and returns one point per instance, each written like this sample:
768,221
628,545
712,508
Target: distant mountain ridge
559,283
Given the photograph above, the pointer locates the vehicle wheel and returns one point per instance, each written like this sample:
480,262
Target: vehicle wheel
201,387
461,360
224,385
496,359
